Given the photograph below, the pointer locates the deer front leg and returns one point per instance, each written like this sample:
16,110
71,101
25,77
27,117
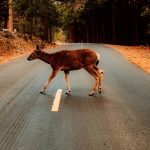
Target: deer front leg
99,73
100,81
67,83
54,72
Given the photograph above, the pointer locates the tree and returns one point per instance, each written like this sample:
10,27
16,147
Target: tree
37,17
69,17
108,21
10,16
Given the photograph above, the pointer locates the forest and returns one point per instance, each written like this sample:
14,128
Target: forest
125,22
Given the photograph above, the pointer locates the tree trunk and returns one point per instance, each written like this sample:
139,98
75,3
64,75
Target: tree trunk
31,28
50,34
46,29
71,35
10,17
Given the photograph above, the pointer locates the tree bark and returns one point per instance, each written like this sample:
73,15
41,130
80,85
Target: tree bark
10,16
50,35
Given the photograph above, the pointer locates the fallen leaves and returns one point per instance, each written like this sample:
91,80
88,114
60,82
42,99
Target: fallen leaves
14,45
139,55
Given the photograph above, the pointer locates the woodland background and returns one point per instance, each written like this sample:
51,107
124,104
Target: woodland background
125,22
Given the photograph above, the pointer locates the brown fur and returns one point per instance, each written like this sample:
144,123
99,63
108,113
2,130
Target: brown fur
69,60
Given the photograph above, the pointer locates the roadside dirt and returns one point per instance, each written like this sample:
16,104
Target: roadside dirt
14,45
139,55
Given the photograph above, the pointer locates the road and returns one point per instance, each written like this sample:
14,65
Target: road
118,119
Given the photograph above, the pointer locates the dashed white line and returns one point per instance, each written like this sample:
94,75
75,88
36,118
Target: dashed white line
56,101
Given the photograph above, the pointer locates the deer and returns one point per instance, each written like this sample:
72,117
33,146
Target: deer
70,60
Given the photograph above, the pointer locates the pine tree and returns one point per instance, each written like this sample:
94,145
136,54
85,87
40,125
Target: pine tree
10,16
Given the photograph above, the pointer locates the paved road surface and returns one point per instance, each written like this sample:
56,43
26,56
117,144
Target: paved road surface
118,119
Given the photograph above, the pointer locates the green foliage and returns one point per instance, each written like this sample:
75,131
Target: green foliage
36,15
69,12
87,20
59,35
103,12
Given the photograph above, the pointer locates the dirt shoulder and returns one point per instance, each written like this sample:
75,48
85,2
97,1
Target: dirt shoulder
139,55
14,45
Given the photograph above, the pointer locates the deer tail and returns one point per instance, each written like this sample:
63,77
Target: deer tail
97,62
98,58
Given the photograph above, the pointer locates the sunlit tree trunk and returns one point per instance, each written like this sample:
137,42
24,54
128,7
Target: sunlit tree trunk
10,16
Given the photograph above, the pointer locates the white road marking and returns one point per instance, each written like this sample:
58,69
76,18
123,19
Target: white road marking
56,101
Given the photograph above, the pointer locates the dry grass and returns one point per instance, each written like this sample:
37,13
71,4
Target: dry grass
139,55
13,46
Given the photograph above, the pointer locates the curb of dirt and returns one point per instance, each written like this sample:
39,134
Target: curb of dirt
15,45
138,55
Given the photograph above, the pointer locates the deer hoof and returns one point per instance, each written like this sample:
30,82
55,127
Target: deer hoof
91,94
68,93
42,92
100,90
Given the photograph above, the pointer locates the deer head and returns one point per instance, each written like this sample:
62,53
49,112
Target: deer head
35,54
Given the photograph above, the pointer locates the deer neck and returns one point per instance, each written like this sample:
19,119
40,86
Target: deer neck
46,57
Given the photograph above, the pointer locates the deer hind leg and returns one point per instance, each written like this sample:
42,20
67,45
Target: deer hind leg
99,72
67,82
53,74
94,73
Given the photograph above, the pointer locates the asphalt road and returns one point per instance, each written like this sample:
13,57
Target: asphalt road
118,119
